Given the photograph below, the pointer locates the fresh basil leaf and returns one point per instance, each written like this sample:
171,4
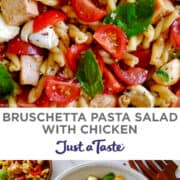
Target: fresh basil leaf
6,83
109,176
89,74
133,18
175,54
3,174
163,74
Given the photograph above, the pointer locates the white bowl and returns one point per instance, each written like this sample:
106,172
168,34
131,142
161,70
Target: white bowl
99,169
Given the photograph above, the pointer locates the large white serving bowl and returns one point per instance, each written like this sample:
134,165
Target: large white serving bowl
99,169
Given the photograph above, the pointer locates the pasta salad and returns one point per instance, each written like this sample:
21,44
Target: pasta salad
25,170
103,53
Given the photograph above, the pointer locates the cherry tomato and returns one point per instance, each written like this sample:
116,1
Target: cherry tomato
132,76
87,11
111,85
73,53
144,58
19,47
36,171
177,104
43,101
48,18
99,60
175,32
112,39
61,92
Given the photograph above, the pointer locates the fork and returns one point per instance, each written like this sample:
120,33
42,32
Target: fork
152,172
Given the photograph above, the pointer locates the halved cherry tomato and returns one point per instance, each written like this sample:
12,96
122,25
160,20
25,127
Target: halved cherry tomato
111,85
177,104
132,76
144,57
112,39
48,18
87,11
73,53
175,32
43,101
36,171
61,92
19,47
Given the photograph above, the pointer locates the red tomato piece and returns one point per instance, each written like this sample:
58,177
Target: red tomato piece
48,18
3,103
99,60
177,104
144,58
175,32
87,11
2,48
21,177
112,39
61,92
36,171
73,53
19,47
132,76
22,99
43,101
111,85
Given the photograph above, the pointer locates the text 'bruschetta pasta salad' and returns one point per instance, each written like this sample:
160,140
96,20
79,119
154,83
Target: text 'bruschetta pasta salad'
87,53
25,170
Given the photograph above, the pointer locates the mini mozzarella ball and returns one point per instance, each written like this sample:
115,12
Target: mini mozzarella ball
92,178
139,96
45,38
7,32
172,68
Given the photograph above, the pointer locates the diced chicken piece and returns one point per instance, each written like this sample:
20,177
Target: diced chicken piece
162,8
7,32
139,96
173,71
45,38
30,70
104,100
17,12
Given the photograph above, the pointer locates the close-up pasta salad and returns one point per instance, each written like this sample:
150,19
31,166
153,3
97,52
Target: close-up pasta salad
25,170
87,53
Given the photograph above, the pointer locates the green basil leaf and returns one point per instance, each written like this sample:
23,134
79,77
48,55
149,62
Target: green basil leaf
133,18
163,74
89,74
6,83
3,174
109,176
175,54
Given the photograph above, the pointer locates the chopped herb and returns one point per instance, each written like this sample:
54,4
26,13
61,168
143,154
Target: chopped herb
163,74
3,174
6,83
133,18
109,176
89,74
175,54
